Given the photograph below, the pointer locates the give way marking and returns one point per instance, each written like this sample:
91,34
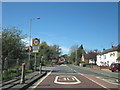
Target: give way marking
66,80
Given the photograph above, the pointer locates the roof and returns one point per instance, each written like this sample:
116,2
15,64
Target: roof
118,58
114,48
90,55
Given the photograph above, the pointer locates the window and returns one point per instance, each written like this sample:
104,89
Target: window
113,54
104,56
110,55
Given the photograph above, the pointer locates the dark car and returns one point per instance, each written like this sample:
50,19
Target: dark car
114,67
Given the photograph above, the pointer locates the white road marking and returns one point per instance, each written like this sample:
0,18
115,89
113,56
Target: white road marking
57,82
41,80
73,79
75,71
94,81
107,81
68,79
63,65
65,79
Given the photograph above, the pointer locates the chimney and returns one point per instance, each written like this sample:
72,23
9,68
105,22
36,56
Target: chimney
112,46
103,49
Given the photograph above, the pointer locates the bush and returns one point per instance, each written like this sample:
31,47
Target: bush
28,71
9,76
88,64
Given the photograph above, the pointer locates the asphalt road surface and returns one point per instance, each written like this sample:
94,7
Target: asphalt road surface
70,76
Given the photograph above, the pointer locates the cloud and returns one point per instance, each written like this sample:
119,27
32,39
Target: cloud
26,41
65,50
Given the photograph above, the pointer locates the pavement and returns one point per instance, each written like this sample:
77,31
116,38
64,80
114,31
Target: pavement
29,80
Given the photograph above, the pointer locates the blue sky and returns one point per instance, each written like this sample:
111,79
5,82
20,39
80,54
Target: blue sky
93,24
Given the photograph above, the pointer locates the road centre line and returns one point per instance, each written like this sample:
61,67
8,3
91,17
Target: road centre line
72,69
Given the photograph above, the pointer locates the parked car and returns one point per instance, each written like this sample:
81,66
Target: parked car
114,67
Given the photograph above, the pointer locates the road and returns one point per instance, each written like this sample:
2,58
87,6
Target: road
70,76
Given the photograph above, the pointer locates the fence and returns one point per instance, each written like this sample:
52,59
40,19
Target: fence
11,68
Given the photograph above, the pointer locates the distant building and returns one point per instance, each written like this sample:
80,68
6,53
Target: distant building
109,56
84,58
27,48
90,57
61,60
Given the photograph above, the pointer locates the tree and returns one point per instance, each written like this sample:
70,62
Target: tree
56,51
65,56
12,44
73,53
79,52
49,52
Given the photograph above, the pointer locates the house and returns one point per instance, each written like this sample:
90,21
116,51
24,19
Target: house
61,60
109,56
27,48
84,58
89,57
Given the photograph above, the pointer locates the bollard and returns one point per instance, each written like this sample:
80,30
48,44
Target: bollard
40,68
23,74
35,67
6,66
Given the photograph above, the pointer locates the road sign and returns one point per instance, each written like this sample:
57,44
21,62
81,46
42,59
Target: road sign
35,51
35,42
35,48
35,45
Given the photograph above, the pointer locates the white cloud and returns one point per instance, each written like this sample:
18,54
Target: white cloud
65,50
26,40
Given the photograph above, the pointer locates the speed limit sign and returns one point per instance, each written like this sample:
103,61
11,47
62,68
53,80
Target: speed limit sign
35,42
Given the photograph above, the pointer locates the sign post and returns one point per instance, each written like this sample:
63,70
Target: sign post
35,47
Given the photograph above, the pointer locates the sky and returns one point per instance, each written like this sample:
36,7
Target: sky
92,24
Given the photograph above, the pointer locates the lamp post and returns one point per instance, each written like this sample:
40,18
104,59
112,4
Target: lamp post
30,37
76,54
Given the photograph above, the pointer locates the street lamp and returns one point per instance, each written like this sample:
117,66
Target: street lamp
76,54
30,36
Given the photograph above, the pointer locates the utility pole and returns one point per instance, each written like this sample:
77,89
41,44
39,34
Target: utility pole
76,54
